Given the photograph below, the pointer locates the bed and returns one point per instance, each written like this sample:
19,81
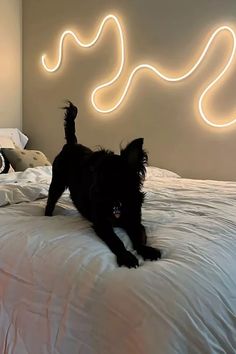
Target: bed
61,291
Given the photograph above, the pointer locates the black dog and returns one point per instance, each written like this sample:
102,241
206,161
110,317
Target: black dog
105,188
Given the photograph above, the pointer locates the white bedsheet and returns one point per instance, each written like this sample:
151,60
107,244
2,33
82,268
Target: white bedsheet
61,291
26,186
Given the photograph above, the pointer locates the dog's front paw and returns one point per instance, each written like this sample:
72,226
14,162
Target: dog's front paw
46,213
127,259
153,254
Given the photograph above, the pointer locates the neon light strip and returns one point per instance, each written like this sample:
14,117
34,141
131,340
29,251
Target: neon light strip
145,66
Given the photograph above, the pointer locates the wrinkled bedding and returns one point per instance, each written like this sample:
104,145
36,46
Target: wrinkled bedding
61,291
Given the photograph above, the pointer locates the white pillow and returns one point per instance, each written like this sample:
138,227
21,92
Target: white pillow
6,142
18,138
154,172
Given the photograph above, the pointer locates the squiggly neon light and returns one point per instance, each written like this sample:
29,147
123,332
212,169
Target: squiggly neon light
145,66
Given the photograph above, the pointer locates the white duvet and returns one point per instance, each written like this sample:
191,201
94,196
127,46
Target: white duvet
61,291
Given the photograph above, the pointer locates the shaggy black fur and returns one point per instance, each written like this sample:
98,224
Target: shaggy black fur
105,188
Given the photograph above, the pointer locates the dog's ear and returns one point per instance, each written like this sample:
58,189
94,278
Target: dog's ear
135,155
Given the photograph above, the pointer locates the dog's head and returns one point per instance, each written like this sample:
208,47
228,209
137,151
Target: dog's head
120,178
135,158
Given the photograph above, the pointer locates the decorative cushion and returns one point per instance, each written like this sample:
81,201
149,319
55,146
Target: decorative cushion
4,163
5,142
23,159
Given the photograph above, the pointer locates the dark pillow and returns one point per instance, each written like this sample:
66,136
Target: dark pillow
23,159
4,163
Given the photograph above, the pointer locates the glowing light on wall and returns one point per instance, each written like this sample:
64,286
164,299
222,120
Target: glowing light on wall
146,66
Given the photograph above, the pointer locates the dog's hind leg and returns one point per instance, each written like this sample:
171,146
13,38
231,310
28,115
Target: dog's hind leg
56,189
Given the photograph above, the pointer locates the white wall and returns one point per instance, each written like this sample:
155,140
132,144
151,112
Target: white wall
10,64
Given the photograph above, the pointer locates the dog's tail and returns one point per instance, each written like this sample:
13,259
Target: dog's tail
69,123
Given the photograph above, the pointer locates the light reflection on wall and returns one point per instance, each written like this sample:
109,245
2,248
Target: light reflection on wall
143,67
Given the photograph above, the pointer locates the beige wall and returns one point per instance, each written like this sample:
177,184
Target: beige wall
168,33
10,64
